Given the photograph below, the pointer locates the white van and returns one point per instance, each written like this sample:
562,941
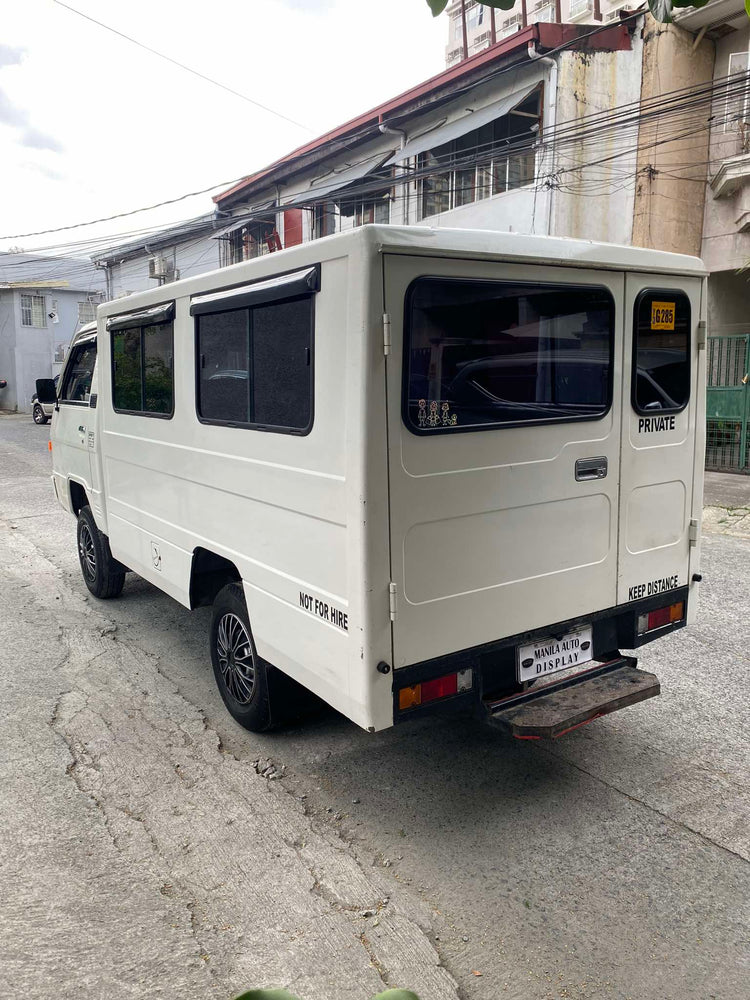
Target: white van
411,469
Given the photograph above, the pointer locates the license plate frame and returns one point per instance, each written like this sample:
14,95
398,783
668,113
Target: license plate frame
551,654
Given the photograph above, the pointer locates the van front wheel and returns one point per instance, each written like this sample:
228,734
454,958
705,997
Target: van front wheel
241,676
102,574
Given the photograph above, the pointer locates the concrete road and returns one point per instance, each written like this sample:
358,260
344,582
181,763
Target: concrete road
150,847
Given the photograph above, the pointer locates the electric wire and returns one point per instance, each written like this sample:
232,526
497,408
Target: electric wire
188,69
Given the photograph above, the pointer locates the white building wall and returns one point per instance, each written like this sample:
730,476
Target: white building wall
193,257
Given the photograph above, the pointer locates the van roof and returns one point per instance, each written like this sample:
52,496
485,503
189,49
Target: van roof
430,242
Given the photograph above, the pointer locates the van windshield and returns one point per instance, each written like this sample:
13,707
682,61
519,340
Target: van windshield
482,354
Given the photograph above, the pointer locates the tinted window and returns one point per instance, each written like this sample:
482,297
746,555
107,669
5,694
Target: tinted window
142,370
661,377
76,386
126,380
255,365
481,354
224,369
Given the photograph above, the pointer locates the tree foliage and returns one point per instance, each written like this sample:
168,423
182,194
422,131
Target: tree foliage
661,9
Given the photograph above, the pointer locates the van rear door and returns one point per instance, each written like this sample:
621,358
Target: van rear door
504,389
661,473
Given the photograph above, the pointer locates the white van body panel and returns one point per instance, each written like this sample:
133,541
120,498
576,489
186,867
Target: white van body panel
480,533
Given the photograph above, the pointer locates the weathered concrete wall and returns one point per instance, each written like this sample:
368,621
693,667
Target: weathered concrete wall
723,246
593,176
670,183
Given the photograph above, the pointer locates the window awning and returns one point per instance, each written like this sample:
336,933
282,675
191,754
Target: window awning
256,212
340,179
142,317
282,286
457,128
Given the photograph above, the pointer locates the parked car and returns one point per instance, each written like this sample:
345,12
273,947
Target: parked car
41,412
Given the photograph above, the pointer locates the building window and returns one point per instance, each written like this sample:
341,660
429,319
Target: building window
737,111
489,160
325,219
483,354
249,241
661,356
143,366
366,211
33,311
86,312
474,16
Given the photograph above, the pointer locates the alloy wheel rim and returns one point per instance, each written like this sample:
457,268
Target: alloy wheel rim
236,659
87,552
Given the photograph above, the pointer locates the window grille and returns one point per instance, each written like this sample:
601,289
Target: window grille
33,311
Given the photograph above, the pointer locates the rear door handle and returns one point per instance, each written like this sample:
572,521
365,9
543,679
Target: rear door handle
591,468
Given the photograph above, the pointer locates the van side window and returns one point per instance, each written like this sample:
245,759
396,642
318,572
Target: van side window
76,387
142,370
487,354
661,351
255,365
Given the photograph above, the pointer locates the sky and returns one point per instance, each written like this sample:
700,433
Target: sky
92,125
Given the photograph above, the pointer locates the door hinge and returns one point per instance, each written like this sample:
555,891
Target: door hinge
693,531
386,334
700,335
392,601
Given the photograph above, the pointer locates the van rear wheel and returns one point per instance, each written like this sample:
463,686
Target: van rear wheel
102,574
241,676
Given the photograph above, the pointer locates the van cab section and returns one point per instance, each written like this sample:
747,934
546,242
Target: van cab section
411,469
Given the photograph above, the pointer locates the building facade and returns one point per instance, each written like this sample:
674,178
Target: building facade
43,302
161,257
495,142
473,27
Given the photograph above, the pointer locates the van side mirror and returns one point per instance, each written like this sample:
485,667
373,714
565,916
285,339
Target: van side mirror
45,390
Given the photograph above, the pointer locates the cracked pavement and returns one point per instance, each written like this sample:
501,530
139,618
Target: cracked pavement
149,847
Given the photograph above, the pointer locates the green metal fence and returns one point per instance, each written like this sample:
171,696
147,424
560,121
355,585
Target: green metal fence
728,403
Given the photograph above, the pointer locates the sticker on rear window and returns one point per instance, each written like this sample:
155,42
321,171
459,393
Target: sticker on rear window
662,315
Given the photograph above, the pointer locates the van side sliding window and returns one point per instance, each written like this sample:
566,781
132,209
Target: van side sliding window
661,351
254,354
143,362
486,354
76,387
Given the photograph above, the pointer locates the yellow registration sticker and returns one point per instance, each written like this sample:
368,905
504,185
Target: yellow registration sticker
662,315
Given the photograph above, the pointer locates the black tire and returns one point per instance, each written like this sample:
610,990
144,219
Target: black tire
102,574
243,679
40,417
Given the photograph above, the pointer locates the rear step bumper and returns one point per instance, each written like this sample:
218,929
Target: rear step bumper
556,708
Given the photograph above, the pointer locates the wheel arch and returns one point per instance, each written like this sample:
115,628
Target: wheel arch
78,496
209,573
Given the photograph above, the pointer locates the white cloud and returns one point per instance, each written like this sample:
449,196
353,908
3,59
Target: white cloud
11,55
10,114
32,138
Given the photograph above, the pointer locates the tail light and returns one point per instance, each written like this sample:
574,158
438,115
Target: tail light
433,690
662,616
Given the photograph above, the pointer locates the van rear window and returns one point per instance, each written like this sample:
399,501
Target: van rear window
484,354
661,358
